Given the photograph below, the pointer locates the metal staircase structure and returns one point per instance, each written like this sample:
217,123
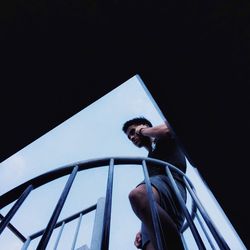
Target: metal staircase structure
102,208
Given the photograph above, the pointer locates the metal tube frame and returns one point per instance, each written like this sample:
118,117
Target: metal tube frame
193,228
26,244
67,220
154,211
14,230
5,221
52,222
59,236
205,232
76,232
217,236
107,209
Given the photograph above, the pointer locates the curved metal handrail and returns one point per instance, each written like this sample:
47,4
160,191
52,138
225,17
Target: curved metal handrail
45,178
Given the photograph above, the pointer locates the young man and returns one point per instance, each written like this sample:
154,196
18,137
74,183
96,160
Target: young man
161,144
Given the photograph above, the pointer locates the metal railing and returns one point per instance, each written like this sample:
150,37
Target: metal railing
101,231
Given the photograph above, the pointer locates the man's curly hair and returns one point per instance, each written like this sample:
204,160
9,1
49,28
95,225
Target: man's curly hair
136,121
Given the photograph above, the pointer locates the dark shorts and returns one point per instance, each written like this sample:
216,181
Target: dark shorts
168,202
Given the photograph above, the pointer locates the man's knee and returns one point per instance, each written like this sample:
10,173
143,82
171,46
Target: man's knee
138,198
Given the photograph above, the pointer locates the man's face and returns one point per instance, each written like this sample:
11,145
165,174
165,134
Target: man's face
138,140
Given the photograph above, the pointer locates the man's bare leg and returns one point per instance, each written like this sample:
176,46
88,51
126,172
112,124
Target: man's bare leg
140,204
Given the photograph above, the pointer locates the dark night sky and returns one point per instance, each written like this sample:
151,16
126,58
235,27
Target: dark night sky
59,56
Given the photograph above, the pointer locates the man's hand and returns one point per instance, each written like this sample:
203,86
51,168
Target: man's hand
139,128
138,240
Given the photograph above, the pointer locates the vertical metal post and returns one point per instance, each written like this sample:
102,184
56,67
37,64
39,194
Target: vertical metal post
52,222
107,211
77,231
5,221
183,241
205,232
153,209
217,236
192,226
26,244
59,236
98,225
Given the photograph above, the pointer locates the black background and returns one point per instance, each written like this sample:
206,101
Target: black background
59,56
